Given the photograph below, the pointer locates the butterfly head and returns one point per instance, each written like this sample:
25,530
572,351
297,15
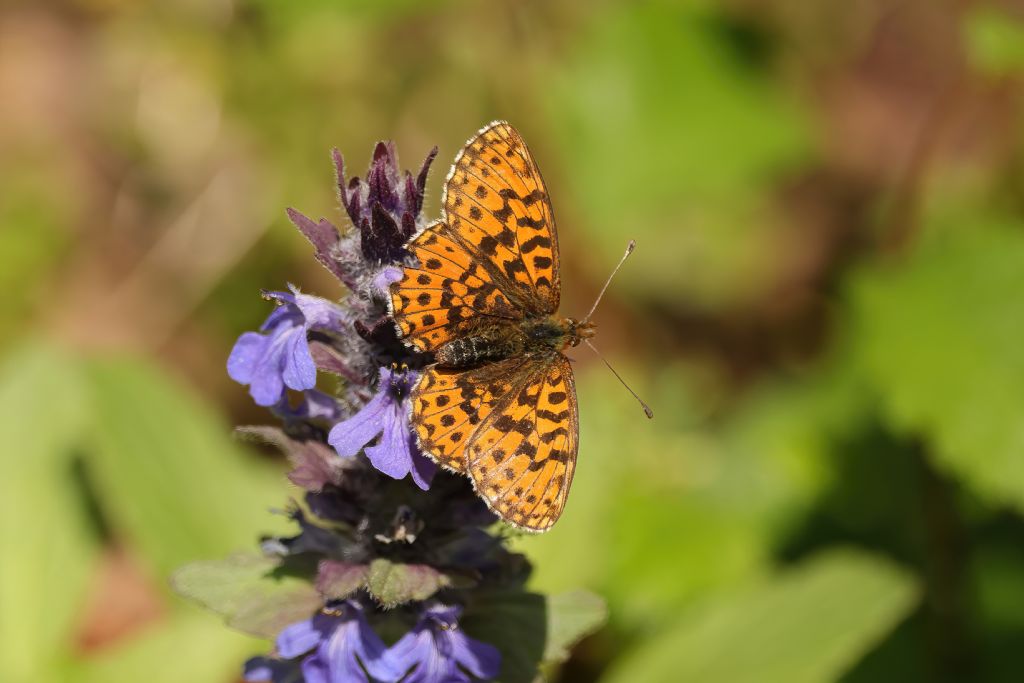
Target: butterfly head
576,331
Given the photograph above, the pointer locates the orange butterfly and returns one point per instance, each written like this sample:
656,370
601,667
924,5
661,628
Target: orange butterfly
499,403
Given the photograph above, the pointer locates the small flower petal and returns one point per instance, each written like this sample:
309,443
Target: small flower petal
415,650
266,386
372,652
393,454
299,638
396,454
423,468
245,356
320,313
349,436
480,659
315,670
299,370
272,670
284,313
434,650
319,405
281,356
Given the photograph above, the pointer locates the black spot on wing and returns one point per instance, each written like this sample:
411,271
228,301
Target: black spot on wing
534,242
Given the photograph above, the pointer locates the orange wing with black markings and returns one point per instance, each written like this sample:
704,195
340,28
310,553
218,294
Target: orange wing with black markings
523,454
449,404
442,297
496,200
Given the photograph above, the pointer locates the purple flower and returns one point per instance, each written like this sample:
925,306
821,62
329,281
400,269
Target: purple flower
273,670
280,357
341,645
338,255
437,651
387,414
315,405
384,208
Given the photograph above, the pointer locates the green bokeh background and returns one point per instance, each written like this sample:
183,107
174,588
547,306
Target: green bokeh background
824,310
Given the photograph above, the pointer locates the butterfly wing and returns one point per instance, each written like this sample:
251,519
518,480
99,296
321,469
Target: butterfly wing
496,201
447,406
494,257
442,297
522,455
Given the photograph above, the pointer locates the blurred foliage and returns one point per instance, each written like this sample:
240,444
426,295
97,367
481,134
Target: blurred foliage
995,40
941,339
823,310
696,107
105,456
808,625
232,587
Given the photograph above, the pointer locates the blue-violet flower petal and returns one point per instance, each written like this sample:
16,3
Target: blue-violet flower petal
387,415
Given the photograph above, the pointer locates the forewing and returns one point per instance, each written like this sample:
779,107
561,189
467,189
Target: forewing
447,406
446,293
495,199
523,453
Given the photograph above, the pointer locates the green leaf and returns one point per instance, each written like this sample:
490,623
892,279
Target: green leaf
808,625
529,629
940,339
47,543
571,617
514,622
253,594
186,647
337,580
394,583
170,476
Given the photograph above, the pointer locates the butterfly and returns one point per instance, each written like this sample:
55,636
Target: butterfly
499,402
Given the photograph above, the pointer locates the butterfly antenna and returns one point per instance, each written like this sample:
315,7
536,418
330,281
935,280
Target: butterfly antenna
629,250
647,408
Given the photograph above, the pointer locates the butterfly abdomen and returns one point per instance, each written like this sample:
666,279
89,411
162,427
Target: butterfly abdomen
533,336
472,351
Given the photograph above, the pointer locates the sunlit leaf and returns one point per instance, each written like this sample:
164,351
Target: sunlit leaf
170,476
571,617
530,629
395,583
251,592
940,338
781,437
336,580
47,545
808,625
189,646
